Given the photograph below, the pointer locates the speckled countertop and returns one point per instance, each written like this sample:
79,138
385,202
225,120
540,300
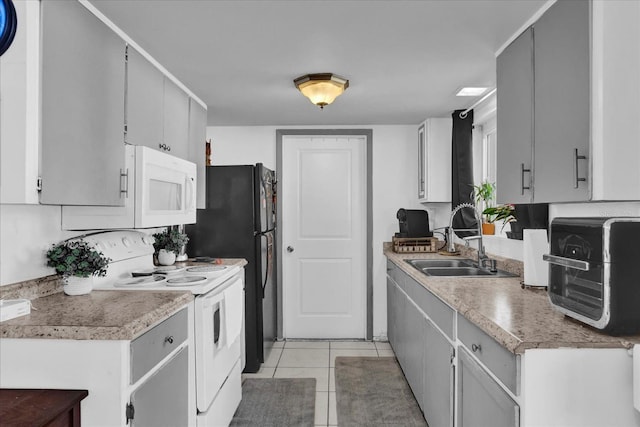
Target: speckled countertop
100,315
517,318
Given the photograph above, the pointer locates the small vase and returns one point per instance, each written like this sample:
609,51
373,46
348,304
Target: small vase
166,257
74,285
488,229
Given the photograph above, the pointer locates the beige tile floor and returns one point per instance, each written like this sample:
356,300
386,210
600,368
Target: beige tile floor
316,359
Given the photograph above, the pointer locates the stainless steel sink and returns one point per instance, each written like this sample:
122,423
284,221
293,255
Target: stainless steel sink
430,263
454,268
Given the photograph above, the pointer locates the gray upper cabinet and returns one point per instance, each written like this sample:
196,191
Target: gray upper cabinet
515,120
197,147
544,104
83,78
562,103
145,93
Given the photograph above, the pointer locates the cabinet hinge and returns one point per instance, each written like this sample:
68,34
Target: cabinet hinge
129,412
124,182
39,184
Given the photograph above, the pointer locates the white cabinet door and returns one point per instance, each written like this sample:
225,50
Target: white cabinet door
434,157
515,121
20,109
176,120
145,93
83,79
197,147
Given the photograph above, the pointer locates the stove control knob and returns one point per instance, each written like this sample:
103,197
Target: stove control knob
147,241
100,246
126,242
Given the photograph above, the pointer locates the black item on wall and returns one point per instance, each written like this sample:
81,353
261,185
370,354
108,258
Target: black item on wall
462,171
413,223
8,24
239,222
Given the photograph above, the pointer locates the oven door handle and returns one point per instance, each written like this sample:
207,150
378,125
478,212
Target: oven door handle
210,300
566,262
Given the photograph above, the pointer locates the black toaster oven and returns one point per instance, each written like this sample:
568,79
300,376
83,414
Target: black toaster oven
594,271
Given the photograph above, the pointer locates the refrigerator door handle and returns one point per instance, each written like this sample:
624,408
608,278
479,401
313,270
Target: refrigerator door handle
269,263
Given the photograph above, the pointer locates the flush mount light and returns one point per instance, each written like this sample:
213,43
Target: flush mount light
321,88
471,91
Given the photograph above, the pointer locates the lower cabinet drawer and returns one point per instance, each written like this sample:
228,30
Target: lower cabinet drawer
154,345
494,356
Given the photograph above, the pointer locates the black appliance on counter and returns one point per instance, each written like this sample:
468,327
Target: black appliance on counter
594,272
239,222
413,223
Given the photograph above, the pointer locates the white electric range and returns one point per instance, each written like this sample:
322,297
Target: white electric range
218,331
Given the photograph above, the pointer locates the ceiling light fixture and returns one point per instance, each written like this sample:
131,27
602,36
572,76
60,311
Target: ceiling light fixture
321,88
471,91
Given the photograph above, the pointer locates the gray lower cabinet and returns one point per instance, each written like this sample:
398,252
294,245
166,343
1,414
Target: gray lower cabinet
424,353
162,400
481,401
83,80
438,377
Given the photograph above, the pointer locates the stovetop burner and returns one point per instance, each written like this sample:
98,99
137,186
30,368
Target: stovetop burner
208,270
186,281
155,279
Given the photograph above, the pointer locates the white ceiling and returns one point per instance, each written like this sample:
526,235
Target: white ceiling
404,59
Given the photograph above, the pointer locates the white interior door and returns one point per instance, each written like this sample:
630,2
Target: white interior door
323,194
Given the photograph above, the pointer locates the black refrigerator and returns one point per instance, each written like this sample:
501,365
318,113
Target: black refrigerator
239,222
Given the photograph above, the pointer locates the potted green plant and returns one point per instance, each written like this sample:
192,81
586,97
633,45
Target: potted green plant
168,244
77,262
483,195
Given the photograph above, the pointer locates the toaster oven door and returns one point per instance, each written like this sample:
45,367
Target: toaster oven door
576,288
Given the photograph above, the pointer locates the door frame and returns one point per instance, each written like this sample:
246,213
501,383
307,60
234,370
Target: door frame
368,135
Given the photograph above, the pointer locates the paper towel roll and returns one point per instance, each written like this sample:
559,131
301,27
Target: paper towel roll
536,271
636,377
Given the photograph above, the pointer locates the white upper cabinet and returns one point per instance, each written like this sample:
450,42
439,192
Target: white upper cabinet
569,86
197,147
434,160
157,109
83,77
20,109
615,100
145,94
176,120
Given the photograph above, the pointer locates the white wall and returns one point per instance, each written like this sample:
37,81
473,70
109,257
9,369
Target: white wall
394,176
27,232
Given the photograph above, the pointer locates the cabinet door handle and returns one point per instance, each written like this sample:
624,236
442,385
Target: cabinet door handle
575,168
522,172
476,348
124,179
169,339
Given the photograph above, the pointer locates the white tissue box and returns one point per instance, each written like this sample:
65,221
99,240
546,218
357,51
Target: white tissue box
12,308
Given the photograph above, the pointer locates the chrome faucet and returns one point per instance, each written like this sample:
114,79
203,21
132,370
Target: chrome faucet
483,259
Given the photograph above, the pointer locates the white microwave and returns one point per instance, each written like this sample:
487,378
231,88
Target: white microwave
161,191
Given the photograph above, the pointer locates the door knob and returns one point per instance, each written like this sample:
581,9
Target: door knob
290,249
